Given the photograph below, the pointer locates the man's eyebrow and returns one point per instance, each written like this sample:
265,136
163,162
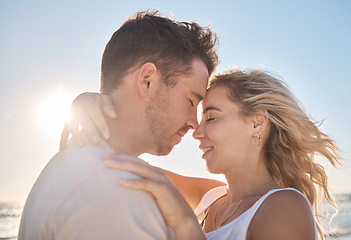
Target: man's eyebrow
198,96
210,108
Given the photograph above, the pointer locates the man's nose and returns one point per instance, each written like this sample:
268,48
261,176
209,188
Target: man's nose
192,122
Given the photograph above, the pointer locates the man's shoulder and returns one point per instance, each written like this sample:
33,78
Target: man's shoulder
77,179
76,192
68,166
80,169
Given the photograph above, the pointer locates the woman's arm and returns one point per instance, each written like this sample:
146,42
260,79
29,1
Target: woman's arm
177,213
192,189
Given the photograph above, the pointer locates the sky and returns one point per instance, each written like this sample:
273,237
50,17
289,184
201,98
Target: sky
50,51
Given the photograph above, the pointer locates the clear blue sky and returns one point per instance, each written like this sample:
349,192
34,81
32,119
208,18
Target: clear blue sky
51,46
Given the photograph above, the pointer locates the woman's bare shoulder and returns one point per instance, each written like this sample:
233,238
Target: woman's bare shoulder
285,214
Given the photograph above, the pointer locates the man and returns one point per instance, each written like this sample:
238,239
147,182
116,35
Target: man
156,71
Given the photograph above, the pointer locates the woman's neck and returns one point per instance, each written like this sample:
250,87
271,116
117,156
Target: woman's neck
249,182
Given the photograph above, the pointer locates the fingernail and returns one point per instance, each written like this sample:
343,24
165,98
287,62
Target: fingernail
106,135
123,182
113,114
109,161
95,140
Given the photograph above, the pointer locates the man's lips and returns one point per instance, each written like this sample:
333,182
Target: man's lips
181,135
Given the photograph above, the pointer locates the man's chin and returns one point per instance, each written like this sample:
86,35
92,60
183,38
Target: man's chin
164,150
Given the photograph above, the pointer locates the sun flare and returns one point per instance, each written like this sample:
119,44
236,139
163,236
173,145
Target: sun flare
53,112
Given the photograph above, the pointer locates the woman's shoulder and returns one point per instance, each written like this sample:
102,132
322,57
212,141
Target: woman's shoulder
284,214
286,198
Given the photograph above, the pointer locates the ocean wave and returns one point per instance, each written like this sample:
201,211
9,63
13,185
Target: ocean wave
10,210
10,216
338,224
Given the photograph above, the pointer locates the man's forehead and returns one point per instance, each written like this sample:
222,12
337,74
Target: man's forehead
197,79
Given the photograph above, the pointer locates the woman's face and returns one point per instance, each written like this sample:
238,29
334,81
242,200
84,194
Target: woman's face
224,134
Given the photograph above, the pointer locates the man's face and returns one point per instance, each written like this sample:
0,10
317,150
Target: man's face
174,110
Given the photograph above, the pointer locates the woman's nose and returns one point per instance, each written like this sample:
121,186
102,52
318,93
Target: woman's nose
199,132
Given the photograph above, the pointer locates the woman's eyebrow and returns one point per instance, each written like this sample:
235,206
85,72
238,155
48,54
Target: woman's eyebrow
210,108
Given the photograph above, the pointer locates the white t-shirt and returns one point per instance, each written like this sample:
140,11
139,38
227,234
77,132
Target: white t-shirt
77,197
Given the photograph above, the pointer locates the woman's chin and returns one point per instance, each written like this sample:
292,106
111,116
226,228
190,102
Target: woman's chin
212,169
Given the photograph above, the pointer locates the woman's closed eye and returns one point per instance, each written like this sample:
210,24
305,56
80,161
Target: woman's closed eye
209,119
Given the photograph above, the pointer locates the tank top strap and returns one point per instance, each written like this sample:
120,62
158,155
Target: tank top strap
209,198
252,210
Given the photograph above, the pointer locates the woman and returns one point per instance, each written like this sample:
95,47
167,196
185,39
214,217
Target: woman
256,133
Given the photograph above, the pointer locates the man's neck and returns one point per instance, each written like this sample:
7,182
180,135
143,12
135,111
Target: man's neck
127,129
123,136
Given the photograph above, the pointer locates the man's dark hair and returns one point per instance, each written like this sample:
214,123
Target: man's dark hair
150,37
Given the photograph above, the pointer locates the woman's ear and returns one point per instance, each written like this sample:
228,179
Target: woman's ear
148,79
260,121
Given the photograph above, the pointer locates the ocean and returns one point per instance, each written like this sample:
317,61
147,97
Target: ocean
339,225
10,217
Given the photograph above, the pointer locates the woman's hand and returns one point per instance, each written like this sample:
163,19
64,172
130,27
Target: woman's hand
175,210
88,111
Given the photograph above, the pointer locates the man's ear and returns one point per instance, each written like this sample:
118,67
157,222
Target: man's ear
148,79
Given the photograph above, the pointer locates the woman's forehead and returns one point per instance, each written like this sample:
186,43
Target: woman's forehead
215,93
214,99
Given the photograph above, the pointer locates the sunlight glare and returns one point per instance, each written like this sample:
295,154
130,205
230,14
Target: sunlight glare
53,112
199,112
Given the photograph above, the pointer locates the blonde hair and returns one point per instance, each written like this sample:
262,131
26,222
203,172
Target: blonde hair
294,140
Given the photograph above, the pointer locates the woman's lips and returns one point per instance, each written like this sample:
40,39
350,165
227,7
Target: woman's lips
206,150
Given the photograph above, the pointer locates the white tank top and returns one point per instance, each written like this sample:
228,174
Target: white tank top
236,229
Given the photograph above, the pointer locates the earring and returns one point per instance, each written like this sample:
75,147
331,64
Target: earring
258,135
